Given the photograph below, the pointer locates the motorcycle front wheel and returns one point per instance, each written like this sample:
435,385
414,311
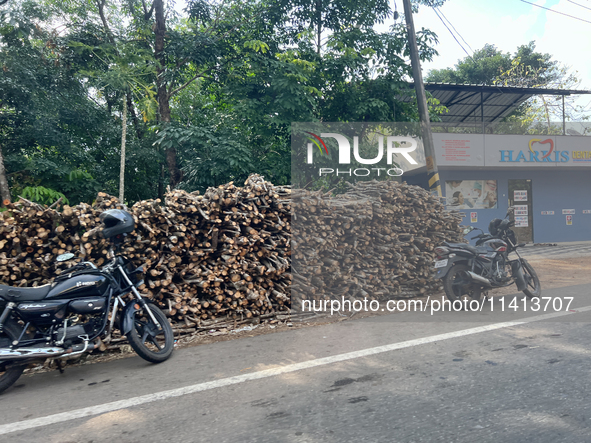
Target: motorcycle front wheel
533,289
9,371
152,343
458,286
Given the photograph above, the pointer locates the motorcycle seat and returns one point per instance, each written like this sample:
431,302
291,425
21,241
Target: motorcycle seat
472,249
11,293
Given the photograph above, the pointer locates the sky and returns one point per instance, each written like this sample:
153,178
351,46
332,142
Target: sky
511,23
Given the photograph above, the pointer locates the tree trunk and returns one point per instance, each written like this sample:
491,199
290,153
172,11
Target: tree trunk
4,189
163,97
547,112
123,135
319,23
136,124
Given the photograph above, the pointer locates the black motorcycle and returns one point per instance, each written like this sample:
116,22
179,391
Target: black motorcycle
468,272
71,315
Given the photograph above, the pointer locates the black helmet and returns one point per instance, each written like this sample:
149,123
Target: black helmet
493,226
497,226
116,222
504,225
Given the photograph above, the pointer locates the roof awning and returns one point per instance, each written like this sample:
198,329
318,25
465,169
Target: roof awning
480,103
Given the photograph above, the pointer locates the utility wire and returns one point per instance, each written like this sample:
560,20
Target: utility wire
452,34
453,27
586,7
558,12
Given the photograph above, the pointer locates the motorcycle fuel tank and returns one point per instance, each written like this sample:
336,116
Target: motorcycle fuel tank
496,245
82,285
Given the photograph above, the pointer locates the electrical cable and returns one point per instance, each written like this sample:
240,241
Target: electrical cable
586,7
554,10
452,34
453,27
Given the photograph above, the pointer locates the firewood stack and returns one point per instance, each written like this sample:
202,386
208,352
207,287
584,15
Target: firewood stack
375,241
225,254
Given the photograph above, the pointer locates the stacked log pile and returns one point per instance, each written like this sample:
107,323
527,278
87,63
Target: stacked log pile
374,241
224,254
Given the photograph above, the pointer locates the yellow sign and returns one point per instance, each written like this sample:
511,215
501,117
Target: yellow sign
582,155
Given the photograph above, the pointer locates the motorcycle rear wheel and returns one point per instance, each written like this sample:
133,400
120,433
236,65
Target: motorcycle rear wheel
533,289
458,287
148,341
10,371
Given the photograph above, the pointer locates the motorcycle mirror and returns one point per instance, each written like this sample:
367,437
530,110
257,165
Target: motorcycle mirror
509,211
64,257
468,229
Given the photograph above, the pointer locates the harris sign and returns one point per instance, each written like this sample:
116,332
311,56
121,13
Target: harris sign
536,153
478,150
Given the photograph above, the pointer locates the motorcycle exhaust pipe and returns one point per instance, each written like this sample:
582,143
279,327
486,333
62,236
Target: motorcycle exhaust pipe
79,349
479,279
7,354
22,353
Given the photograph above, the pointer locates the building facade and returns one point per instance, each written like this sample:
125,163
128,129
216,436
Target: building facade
547,180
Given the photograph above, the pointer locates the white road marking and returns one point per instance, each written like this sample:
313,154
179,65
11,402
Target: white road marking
164,395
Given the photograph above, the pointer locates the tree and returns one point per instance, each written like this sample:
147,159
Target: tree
228,78
124,71
486,64
43,113
532,70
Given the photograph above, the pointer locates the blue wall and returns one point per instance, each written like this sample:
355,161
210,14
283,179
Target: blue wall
552,190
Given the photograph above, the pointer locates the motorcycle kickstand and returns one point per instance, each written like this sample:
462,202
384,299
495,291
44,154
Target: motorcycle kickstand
60,365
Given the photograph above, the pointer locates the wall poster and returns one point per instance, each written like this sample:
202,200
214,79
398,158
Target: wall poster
520,210
471,194
520,196
521,221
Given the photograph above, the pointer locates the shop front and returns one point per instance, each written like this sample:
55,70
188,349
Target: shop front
547,180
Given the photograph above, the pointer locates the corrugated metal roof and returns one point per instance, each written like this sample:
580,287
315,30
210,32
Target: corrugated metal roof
475,103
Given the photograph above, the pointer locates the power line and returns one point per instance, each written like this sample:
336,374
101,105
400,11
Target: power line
453,27
558,12
452,34
586,7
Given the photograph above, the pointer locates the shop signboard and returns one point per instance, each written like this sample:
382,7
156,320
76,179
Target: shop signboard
495,150
459,149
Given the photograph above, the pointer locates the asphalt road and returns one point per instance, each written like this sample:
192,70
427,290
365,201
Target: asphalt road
448,377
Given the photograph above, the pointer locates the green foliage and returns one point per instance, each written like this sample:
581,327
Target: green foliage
488,64
236,75
45,196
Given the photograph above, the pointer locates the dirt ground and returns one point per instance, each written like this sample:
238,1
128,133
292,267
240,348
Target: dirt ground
557,273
